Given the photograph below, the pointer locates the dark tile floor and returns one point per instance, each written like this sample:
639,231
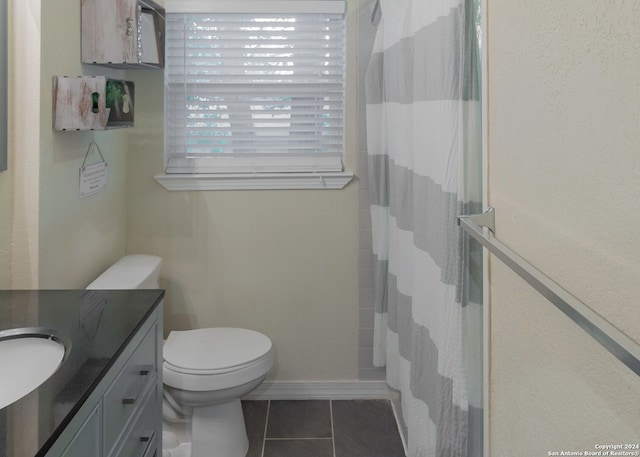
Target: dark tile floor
322,428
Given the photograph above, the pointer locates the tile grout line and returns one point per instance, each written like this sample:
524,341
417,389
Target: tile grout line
299,438
266,422
333,434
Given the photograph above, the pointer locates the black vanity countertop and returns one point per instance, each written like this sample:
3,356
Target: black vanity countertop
99,324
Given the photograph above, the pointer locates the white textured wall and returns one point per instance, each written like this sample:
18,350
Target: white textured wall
284,262
6,218
6,221
21,178
564,110
84,235
6,180
281,262
50,237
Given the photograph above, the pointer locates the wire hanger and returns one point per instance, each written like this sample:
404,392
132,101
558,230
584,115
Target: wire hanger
93,143
376,14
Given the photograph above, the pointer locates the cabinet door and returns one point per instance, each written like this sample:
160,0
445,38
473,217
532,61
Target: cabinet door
110,31
87,441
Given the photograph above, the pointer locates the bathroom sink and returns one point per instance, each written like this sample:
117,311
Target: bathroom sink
28,357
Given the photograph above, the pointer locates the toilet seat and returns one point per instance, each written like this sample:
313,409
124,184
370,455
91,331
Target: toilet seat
215,358
209,372
214,350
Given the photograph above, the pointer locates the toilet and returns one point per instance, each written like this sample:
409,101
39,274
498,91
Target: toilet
205,372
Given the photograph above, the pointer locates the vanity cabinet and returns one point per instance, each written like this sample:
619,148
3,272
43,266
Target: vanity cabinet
123,415
128,399
123,34
87,440
92,103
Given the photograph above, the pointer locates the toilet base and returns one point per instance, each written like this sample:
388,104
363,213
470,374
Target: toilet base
220,429
182,450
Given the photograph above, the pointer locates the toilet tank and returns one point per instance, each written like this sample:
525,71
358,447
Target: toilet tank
139,271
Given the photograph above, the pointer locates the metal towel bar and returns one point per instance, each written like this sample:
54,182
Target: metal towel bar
612,339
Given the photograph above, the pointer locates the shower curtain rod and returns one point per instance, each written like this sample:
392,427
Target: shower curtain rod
608,336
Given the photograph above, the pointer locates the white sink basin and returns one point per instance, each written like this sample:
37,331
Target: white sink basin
28,357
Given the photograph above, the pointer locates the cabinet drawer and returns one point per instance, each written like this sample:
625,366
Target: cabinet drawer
142,440
125,395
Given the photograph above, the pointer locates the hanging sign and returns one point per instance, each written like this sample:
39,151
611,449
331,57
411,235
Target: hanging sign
93,178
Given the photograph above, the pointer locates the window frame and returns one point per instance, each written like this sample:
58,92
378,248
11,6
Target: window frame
248,172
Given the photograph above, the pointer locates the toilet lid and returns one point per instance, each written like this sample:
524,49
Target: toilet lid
219,348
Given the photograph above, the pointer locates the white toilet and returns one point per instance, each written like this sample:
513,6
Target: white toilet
205,371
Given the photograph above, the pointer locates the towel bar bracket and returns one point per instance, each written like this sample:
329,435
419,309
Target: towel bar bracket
486,219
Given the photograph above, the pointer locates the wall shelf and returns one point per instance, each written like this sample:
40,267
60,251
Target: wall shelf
126,34
81,103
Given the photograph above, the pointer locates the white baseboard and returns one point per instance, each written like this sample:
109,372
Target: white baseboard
316,390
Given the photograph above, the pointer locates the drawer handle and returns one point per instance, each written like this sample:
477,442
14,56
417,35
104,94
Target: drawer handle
131,399
149,440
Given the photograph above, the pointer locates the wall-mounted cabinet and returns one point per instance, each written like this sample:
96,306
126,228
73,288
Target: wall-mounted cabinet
123,34
92,103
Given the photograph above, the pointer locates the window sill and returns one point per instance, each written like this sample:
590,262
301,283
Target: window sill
254,181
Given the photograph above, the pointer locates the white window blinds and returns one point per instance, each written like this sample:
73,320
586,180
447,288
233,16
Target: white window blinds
253,92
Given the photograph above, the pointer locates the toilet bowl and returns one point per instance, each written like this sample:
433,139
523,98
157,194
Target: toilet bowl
205,372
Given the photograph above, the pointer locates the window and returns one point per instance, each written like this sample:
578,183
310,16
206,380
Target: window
254,87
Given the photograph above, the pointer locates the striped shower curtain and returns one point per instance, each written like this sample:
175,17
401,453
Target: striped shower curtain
424,152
